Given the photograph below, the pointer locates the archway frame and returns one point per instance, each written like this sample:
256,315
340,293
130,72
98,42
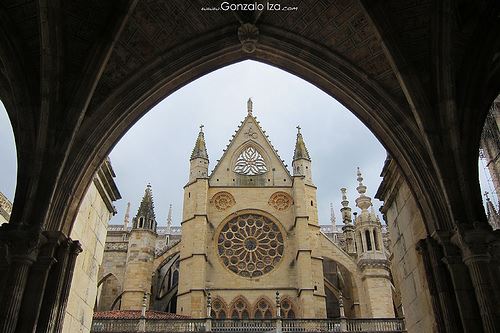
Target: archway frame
375,107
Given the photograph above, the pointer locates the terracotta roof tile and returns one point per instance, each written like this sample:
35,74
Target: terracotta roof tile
136,314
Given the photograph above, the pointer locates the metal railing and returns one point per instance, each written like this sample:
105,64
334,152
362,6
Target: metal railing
343,325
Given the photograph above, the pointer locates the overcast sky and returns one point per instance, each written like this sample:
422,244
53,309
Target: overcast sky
157,148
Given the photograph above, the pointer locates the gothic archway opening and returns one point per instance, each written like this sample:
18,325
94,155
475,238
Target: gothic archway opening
339,285
165,288
109,291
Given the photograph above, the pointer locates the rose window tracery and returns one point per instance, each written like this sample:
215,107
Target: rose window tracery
250,163
280,201
223,200
250,245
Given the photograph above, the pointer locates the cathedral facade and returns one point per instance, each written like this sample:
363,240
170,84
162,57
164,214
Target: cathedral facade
250,237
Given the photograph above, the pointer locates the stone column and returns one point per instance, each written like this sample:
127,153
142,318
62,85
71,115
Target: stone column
23,245
480,275
422,248
447,302
74,250
473,241
58,284
30,309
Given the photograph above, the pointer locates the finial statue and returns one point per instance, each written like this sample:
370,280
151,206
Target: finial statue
298,129
249,106
201,128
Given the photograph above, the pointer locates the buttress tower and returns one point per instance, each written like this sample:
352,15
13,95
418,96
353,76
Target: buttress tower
140,254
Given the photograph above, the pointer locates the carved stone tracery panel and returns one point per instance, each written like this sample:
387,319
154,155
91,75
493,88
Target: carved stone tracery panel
223,200
250,163
250,245
280,201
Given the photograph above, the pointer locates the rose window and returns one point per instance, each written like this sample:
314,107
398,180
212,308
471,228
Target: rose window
250,163
250,245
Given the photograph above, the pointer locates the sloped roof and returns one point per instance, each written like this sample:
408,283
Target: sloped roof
136,314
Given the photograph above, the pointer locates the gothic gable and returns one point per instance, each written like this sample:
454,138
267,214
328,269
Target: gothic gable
250,160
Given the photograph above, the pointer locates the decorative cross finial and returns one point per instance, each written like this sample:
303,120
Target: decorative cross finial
250,106
201,127
298,129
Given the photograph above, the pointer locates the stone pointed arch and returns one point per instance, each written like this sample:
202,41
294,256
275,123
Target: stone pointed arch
240,308
340,280
109,118
289,307
220,309
109,290
263,308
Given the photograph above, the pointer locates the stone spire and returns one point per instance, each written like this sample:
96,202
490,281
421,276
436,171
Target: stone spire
333,219
199,159
301,161
169,219
145,218
348,228
363,202
200,149
346,210
126,220
491,212
300,151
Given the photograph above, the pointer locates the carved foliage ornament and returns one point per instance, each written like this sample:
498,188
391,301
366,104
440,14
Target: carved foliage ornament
280,201
223,200
248,35
250,245
250,163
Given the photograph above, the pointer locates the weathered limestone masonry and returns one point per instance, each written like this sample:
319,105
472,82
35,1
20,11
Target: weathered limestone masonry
90,228
426,275
57,265
250,229
140,255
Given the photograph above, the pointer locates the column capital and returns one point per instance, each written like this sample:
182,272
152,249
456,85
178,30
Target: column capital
23,242
473,240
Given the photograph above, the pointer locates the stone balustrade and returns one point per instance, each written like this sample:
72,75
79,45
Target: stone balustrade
382,325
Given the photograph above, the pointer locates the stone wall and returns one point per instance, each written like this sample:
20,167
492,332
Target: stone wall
90,229
406,228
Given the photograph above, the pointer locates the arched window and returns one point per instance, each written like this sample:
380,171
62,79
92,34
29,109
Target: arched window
263,309
239,308
287,308
368,241
375,239
141,222
219,308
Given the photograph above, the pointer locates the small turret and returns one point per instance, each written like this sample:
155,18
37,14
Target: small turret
199,158
368,226
348,228
140,254
301,160
145,218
